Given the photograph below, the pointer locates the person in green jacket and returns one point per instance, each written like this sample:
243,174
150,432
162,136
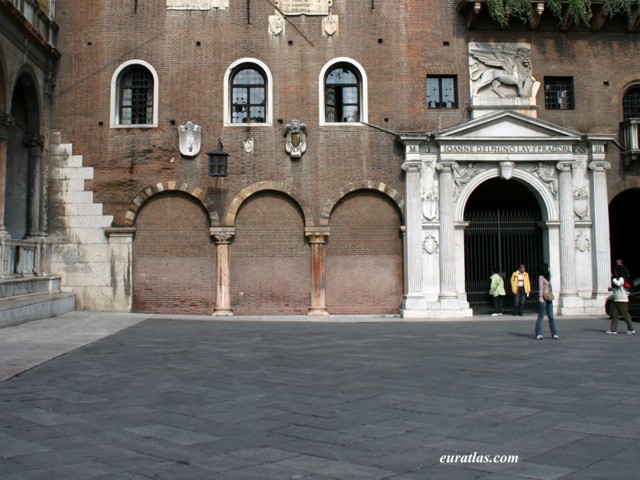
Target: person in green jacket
497,291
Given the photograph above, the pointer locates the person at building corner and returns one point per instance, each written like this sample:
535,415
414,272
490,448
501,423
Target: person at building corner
496,290
545,303
521,287
620,302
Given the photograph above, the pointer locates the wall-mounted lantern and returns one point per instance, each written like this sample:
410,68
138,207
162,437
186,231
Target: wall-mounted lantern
218,162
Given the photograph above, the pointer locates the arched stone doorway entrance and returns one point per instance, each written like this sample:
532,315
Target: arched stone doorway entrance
503,232
22,191
622,209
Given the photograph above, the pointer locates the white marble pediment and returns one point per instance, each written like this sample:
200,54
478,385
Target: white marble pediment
507,125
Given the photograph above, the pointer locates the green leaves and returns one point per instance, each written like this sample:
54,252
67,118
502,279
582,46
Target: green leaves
580,10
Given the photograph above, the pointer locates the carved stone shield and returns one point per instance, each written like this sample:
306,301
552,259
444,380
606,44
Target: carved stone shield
190,138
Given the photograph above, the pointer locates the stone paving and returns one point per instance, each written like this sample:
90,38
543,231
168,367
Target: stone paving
355,399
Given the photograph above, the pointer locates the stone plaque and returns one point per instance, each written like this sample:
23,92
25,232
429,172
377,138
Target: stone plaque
304,7
196,4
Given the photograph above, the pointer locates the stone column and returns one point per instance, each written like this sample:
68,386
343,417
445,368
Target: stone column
222,238
34,142
568,285
317,239
600,232
6,123
447,231
413,275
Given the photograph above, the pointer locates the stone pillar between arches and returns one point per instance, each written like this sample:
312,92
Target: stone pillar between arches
317,240
222,237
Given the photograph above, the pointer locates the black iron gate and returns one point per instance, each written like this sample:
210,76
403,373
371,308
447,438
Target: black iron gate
501,239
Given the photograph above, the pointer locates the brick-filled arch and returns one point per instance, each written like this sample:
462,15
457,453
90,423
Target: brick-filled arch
174,256
168,186
350,187
270,259
364,254
289,190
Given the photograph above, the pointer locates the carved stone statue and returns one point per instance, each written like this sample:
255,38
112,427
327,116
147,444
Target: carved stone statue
547,175
462,176
498,65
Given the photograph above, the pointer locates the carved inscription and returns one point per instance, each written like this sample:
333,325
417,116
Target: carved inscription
196,4
304,7
506,149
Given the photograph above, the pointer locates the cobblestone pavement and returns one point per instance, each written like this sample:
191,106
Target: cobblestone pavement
157,397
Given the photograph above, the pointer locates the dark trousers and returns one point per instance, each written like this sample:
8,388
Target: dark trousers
518,301
497,304
620,309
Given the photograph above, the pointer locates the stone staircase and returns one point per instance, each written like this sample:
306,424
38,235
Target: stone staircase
32,298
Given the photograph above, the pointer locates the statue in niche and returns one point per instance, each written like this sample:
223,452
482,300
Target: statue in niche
189,136
461,177
547,175
499,65
296,142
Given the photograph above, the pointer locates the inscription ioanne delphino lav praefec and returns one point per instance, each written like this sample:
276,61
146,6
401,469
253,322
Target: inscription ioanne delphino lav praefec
506,149
304,7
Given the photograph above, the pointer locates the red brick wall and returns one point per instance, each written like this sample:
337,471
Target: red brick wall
270,260
174,258
364,256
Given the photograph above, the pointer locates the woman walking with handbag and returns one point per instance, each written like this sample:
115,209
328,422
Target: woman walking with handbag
545,303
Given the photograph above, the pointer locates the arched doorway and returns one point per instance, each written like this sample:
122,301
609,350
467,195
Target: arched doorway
622,209
21,209
174,257
503,233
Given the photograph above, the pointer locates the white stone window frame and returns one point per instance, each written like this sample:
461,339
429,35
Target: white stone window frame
364,91
115,95
248,62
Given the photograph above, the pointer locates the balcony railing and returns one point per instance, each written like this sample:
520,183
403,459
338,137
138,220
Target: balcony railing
41,14
630,140
24,258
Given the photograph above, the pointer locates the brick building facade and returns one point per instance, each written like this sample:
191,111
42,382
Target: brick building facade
362,138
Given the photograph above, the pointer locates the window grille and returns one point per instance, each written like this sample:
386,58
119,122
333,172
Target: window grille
558,93
342,95
136,97
631,104
248,96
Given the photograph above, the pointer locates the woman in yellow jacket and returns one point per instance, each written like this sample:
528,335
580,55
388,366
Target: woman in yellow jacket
521,287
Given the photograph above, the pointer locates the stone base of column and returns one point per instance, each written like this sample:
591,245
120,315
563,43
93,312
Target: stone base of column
318,312
439,310
575,306
413,301
221,312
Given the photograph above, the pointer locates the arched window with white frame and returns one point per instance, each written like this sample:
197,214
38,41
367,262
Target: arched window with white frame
134,95
343,92
248,96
